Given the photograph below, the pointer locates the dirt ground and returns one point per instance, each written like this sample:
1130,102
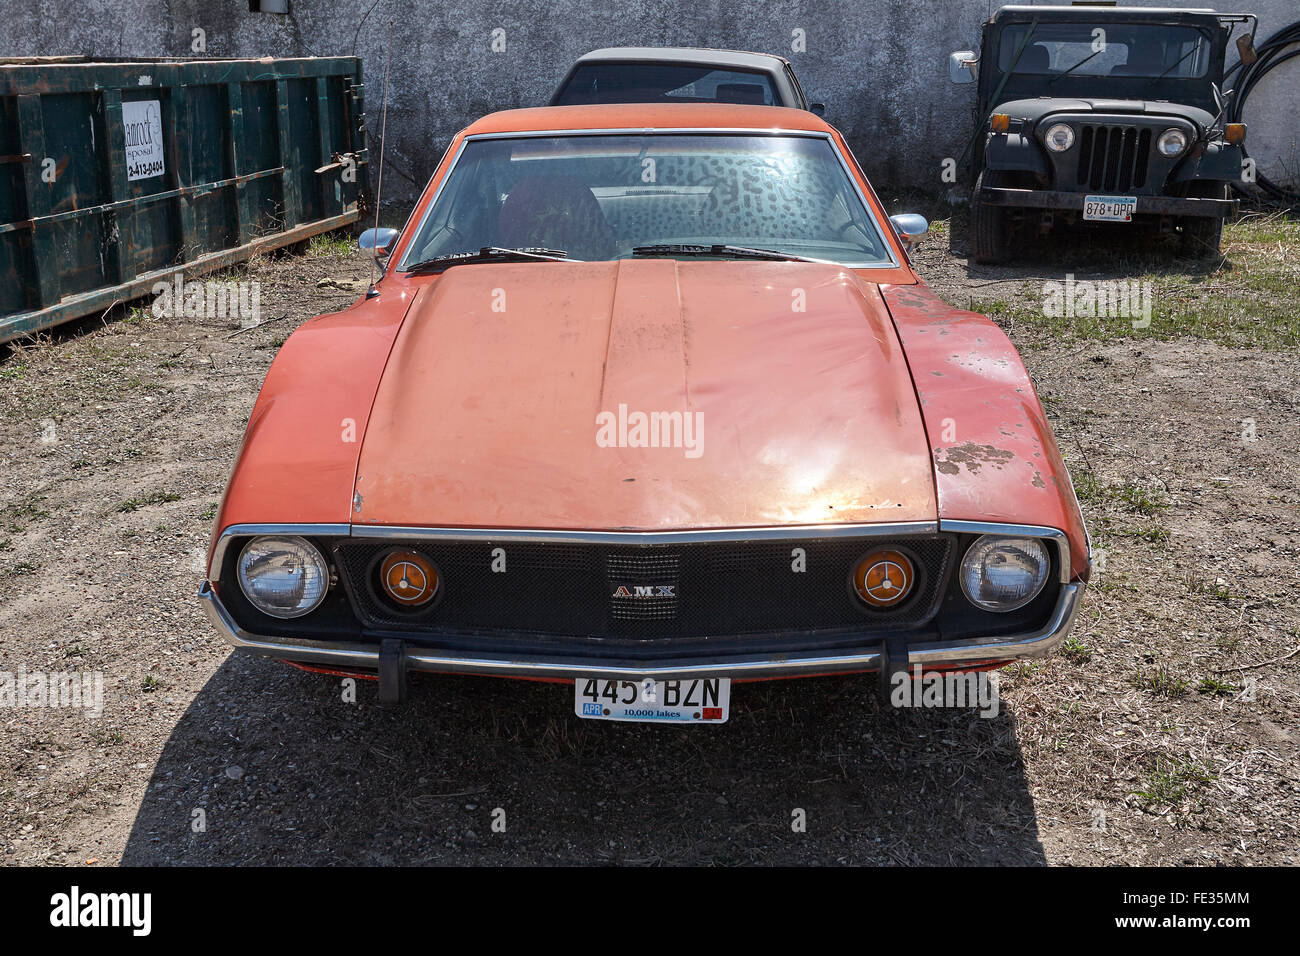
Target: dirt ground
1164,733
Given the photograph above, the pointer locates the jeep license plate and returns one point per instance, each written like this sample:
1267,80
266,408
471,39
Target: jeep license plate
1109,208
691,700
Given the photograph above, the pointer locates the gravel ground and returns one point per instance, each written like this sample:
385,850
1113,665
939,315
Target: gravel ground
1165,733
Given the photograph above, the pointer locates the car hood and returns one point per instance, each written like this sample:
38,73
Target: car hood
511,396
1040,108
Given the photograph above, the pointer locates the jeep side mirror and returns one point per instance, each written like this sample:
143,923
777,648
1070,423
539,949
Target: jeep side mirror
817,109
1246,49
963,66
377,241
910,227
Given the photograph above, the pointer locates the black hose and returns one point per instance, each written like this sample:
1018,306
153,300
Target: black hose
1272,53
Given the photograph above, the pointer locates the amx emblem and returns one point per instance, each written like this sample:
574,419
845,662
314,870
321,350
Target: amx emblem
646,591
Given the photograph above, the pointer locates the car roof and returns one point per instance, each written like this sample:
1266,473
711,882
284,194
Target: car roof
639,116
697,56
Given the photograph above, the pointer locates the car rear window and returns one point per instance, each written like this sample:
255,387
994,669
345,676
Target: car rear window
664,83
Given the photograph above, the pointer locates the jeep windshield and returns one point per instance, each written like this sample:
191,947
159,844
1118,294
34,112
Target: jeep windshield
1114,49
593,83
604,197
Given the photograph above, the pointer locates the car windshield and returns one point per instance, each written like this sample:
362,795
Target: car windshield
599,197
1096,49
664,83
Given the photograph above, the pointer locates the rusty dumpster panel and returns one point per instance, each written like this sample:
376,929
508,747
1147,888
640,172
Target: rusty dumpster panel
114,175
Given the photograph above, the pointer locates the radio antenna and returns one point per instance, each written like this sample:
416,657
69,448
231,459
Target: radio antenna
383,139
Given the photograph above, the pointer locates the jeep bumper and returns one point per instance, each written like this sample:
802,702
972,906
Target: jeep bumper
1071,201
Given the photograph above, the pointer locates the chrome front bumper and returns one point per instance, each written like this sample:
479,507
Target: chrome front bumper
939,654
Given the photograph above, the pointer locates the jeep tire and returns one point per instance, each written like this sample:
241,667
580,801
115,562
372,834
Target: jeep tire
990,225
1199,236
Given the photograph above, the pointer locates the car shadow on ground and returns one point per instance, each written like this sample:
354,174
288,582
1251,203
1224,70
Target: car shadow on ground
271,766
1105,251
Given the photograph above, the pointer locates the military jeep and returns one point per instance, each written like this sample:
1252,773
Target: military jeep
1102,115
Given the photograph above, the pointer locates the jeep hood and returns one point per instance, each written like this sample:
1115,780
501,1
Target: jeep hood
512,394
1040,108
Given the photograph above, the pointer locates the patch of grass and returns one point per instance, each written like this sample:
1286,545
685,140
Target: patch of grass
330,244
1249,299
75,651
1150,531
1087,487
150,684
1142,499
1169,781
209,512
1075,651
21,569
103,737
137,316
28,507
1164,683
156,498
1215,687
1198,583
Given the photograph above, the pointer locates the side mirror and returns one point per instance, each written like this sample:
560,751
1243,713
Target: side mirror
1246,49
817,109
910,227
377,241
963,66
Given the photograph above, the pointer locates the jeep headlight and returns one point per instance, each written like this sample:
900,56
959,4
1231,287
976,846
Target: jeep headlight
1059,137
1003,573
283,576
1171,142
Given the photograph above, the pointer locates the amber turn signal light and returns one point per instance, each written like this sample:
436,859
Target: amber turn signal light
999,122
884,578
1234,132
409,578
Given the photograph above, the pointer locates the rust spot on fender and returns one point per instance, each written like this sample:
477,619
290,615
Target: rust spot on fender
971,455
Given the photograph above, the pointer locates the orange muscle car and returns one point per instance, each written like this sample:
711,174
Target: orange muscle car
649,400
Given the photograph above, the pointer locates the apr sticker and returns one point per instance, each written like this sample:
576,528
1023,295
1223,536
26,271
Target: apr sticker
142,123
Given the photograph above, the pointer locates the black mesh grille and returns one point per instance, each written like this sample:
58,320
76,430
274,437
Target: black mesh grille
686,591
1113,158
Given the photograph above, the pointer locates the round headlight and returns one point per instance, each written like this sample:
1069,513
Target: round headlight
1171,142
1059,138
284,577
1002,574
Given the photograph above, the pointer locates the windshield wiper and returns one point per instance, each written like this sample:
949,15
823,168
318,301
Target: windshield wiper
722,251
1180,61
489,254
1073,68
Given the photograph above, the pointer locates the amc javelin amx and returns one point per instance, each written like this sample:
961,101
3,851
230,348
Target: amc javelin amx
648,401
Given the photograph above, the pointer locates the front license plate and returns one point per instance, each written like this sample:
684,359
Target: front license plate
691,700
1109,208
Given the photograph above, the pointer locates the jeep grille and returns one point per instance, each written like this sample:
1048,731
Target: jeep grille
1113,158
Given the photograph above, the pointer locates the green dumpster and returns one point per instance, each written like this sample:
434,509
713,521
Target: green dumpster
115,175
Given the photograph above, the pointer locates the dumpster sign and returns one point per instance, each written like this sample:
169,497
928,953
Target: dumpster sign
142,124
